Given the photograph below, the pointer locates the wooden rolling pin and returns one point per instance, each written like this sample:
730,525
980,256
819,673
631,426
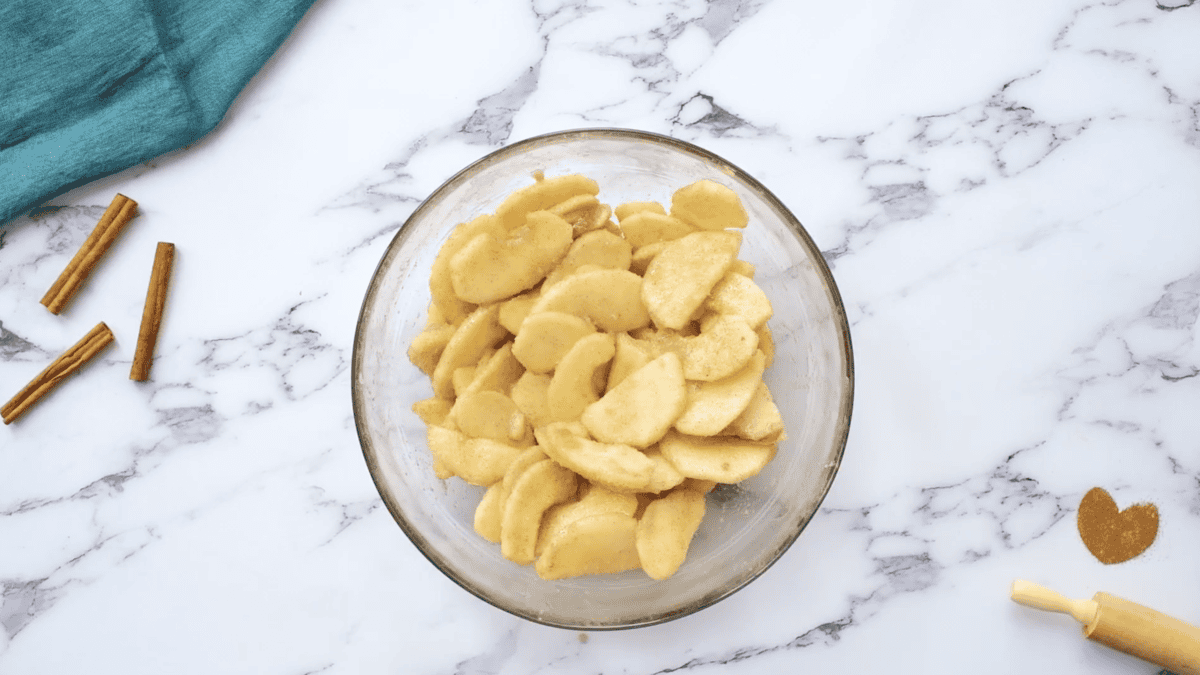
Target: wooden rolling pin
1123,625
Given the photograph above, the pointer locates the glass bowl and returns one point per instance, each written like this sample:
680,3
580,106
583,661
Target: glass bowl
747,527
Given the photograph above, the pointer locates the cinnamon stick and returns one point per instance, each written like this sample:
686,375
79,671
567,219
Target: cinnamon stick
71,360
152,313
119,213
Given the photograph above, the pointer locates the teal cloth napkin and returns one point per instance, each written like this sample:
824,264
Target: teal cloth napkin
91,87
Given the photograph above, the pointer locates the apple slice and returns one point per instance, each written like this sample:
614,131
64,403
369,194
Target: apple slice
489,513
722,348
541,486
544,194
593,500
760,419
679,279
665,475
601,544
642,257
498,373
488,414
630,356
478,461
427,347
546,337
627,209
571,387
600,248
489,268
766,342
709,205
611,299
478,332
433,411
645,228
514,310
529,393
441,286
712,406
640,409
585,213
616,466
724,459
737,294
665,531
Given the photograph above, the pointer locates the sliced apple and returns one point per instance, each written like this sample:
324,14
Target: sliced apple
478,461
434,316
627,209
544,194
514,310
452,308
645,228
540,486
709,205
527,458
601,544
600,248
489,268
585,213
665,530
712,406
643,256
529,393
572,387
444,444
766,342
486,414
489,513
546,337
665,475
630,356
427,347
610,298
432,411
680,278
462,378
592,500
738,295
616,466
743,268
724,348
724,459
498,373
478,332
760,419
640,409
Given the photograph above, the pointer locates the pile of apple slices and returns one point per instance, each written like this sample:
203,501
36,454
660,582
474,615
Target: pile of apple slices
597,378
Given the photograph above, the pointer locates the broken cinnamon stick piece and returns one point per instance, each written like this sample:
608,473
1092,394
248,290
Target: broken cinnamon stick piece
152,313
71,360
119,213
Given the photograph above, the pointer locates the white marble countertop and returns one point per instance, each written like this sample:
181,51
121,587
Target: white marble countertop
1007,196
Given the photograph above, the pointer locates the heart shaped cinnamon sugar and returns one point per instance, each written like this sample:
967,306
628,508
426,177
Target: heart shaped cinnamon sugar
1115,536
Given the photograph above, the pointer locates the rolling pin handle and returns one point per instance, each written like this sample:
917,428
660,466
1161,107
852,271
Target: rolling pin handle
1039,597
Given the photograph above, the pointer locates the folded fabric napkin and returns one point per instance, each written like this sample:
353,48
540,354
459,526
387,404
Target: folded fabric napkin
91,87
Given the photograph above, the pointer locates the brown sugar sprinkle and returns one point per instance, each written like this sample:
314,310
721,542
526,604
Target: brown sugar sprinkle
1115,536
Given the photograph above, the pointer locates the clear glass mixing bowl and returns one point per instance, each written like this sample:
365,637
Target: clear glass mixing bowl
748,526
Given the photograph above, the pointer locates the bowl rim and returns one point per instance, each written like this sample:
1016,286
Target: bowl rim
840,435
